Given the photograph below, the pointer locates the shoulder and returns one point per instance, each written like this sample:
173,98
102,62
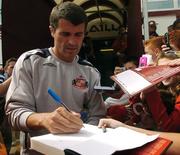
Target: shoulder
84,62
44,53
87,64
29,58
33,54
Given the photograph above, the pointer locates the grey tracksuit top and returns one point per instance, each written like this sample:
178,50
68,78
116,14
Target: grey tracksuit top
35,72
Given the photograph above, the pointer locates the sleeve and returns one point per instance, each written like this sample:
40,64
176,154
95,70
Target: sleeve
164,121
2,78
96,104
20,102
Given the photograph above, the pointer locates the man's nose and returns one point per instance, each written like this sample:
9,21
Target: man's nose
72,40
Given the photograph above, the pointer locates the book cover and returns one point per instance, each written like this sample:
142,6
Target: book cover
156,147
133,82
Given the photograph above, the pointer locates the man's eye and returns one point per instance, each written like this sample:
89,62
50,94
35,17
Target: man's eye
65,34
79,34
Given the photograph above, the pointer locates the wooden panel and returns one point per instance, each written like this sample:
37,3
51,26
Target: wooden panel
25,26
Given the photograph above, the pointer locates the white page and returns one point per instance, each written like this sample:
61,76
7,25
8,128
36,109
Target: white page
119,139
132,82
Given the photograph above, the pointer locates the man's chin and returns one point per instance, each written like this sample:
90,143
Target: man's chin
70,57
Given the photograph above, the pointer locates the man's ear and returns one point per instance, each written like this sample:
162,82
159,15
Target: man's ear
52,30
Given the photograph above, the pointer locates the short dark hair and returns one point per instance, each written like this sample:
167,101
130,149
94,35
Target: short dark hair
176,24
69,11
152,23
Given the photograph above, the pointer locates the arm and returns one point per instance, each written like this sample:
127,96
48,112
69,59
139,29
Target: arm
4,86
175,137
164,121
175,62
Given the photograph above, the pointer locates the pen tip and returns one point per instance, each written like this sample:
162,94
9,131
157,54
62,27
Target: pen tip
104,129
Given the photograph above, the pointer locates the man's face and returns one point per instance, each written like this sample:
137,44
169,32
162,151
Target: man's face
152,28
68,39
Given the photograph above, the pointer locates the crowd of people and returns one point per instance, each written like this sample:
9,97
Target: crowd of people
32,111
5,79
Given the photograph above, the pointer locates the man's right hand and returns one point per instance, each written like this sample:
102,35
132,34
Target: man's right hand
58,121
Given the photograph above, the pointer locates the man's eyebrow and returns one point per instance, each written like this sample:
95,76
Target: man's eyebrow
64,33
68,33
79,33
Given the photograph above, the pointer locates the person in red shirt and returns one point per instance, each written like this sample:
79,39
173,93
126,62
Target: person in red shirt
166,116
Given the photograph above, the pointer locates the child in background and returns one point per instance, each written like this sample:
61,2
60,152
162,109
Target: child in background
153,47
117,105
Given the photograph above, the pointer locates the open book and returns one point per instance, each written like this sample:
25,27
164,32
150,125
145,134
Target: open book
91,140
133,82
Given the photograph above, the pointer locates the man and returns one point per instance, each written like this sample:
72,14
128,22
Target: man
29,107
152,29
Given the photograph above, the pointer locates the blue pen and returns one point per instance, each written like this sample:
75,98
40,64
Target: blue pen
57,98
59,101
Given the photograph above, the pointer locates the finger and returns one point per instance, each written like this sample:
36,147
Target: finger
62,125
76,114
163,46
103,122
76,120
166,49
52,125
56,123
70,117
63,129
